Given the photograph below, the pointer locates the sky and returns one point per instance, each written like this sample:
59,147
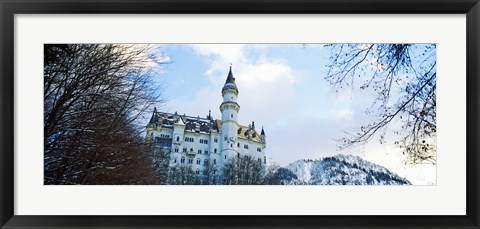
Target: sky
282,87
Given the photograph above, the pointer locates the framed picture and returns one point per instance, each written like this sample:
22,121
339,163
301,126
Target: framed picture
239,114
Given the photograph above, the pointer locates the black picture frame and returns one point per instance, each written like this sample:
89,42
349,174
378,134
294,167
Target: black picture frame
10,7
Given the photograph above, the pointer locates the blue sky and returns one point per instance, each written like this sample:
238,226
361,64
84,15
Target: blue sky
281,87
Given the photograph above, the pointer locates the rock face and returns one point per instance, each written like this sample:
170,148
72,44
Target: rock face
336,170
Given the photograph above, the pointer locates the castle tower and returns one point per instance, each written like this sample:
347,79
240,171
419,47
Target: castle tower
229,109
263,137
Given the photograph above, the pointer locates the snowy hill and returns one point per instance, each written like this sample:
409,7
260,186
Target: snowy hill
337,170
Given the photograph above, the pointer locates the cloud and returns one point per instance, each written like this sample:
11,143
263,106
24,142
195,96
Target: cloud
342,114
265,85
221,55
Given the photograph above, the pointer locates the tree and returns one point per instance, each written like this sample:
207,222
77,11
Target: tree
281,176
182,175
94,95
243,171
161,159
403,79
210,175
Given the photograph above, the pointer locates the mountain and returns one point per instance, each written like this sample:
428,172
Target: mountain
336,170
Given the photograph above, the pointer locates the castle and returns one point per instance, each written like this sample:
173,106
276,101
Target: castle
202,142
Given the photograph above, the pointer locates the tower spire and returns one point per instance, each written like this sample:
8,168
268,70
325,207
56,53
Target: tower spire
230,83
230,78
154,117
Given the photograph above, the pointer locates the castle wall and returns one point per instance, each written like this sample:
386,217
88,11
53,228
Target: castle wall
191,149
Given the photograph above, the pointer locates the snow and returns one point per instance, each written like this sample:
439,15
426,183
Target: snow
342,170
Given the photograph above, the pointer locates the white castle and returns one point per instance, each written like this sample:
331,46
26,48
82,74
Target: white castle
200,142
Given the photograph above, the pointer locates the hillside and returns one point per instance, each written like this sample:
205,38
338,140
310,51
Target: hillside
336,170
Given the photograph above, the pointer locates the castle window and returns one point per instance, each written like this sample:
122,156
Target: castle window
214,171
238,144
231,145
198,161
176,150
184,150
174,160
215,150
260,160
199,151
259,149
162,142
205,162
245,146
206,151
231,115
191,149
225,156
215,140
226,138
190,161
197,172
182,160
178,138
265,159
214,161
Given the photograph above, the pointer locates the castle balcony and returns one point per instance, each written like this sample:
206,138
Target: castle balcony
191,153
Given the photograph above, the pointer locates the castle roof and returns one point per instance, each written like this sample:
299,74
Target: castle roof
244,132
230,82
191,123
230,78
199,125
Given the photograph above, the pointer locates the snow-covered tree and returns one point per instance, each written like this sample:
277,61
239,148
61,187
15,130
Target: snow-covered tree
93,97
